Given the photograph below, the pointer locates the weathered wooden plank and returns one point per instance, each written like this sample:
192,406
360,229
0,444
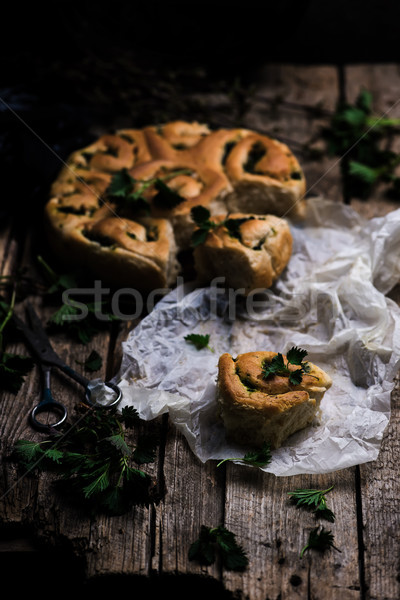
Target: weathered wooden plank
294,103
380,486
274,532
194,497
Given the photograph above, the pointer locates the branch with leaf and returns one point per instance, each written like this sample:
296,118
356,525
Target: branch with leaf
202,218
94,461
218,540
362,139
13,367
278,366
130,193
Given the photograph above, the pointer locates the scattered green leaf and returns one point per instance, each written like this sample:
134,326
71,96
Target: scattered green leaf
315,500
218,539
198,340
257,458
320,540
93,362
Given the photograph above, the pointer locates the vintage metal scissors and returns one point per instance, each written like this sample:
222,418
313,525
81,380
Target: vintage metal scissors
40,345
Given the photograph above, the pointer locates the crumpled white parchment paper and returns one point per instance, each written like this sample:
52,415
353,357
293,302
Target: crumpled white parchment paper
331,300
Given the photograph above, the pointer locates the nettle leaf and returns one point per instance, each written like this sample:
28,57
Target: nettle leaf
122,184
319,539
100,481
93,362
13,370
145,451
260,457
28,452
277,366
198,340
296,355
166,197
129,416
120,444
218,539
200,215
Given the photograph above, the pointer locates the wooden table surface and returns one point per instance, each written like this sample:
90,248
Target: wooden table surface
150,545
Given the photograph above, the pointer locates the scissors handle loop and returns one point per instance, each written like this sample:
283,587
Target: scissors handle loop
51,407
114,402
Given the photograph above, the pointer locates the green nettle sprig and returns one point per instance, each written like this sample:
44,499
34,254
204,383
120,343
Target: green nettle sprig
13,367
260,457
199,341
277,366
202,217
128,192
314,500
218,540
319,539
361,137
95,463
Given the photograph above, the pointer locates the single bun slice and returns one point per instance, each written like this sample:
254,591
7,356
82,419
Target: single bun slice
250,251
256,409
266,177
121,252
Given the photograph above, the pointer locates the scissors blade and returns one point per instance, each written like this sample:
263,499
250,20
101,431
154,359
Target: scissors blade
37,337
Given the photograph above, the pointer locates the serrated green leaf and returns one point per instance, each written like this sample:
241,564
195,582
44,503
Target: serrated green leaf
120,444
198,340
13,370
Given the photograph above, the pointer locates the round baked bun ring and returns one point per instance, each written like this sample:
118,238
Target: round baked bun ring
249,251
256,410
187,186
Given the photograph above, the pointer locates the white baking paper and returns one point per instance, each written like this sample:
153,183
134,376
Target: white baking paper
331,300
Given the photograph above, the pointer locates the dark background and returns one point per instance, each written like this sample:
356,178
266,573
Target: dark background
68,68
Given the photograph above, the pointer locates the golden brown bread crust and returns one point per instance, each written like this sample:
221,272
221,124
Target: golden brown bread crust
228,171
257,410
253,260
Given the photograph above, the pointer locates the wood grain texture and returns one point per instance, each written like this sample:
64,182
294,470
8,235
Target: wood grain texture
380,489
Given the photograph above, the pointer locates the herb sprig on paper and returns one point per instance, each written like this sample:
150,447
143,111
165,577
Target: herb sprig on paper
199,340
260,457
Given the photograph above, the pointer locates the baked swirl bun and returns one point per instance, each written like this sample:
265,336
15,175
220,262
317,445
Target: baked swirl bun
122,250
227,170
250,251
193,185
256,410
